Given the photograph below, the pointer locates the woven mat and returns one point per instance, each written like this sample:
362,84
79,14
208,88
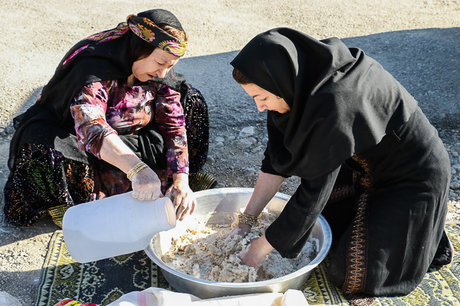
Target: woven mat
104,281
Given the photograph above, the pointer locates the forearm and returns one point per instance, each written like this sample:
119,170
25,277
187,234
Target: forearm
117,153
289,232
266,187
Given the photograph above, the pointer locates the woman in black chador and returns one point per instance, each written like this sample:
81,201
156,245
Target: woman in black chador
368,159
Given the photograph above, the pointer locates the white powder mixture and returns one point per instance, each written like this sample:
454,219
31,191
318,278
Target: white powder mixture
208,252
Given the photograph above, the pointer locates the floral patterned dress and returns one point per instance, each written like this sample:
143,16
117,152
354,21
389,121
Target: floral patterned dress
43,181
111,107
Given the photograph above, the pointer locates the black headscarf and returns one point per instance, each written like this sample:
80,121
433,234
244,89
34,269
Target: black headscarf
342,101
102,56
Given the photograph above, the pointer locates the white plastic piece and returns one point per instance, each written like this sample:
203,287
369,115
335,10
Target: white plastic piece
7,299
114,226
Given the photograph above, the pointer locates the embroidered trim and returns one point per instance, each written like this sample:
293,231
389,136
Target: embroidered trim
340,193
142,31
357,252
174,47
119,31
151,33
74,53
356,300
100,37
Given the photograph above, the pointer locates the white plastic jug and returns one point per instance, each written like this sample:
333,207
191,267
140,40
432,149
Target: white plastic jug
114,226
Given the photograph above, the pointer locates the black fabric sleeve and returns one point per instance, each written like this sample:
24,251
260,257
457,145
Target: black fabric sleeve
267,165
289,232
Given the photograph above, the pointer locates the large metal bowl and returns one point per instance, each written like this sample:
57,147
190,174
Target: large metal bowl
215,205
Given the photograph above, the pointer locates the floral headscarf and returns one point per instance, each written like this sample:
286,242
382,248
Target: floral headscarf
146,26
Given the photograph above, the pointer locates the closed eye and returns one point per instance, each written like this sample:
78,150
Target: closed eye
165,64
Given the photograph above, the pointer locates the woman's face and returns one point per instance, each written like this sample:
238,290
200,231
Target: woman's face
265,99
157,64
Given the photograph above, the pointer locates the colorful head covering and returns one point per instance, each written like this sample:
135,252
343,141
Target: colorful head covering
146,25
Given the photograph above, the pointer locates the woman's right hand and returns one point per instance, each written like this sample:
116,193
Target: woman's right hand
256,253
146,185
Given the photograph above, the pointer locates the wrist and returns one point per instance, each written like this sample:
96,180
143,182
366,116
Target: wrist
265,246
136,169
244,218
180,178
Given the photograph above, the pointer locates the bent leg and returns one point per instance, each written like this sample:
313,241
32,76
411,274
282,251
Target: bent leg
39,184
396,232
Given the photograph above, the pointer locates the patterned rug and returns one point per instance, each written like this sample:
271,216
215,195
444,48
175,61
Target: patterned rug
104,281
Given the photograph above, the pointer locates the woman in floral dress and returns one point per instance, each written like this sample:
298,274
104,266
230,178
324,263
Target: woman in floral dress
109,120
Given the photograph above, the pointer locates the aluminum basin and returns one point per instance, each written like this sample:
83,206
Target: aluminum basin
214,205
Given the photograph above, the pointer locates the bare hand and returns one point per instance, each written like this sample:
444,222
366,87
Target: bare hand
182,196
256,253
146,185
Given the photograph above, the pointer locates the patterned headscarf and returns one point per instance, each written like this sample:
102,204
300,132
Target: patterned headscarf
146,26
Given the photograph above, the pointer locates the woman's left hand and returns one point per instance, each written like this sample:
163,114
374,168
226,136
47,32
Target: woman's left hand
256,253
181,195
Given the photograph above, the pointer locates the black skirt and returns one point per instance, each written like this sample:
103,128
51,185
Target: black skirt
387,212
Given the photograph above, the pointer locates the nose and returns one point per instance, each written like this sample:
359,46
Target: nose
261,107
162,72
